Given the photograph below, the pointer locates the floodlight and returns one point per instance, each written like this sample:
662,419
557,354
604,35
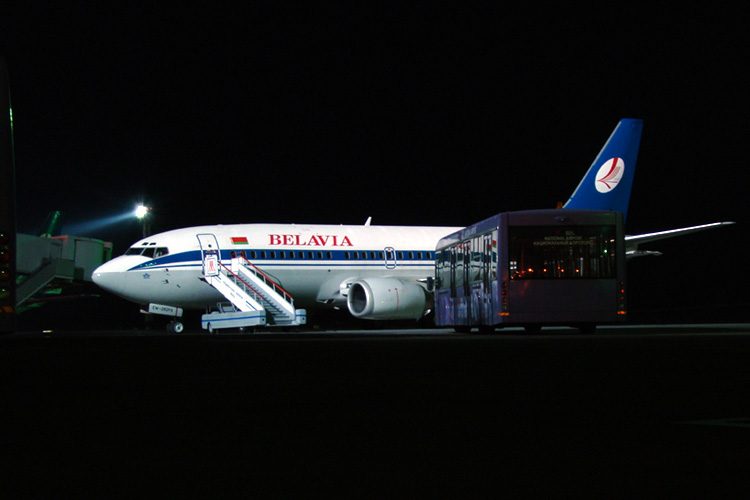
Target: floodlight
141,211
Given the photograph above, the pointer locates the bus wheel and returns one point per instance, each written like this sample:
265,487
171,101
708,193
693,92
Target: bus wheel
462,328
533,329
486,329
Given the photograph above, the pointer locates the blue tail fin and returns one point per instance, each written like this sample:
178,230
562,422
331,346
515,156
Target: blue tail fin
609,180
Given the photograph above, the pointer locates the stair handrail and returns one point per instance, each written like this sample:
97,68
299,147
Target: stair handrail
268,281
256,294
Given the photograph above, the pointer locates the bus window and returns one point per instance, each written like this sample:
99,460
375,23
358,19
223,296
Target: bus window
493,253
543,252
443,268
438,269
476,260
459,266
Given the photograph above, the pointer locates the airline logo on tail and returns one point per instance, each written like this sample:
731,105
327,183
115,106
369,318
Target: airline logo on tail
609,175
607,184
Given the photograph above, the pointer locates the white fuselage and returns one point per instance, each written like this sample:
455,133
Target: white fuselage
312,263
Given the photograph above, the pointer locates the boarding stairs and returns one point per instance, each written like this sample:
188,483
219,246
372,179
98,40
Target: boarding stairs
252,292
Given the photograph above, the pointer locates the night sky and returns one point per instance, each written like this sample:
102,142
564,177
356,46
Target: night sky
310,112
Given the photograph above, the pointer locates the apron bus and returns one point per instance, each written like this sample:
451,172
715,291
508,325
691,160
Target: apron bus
531,269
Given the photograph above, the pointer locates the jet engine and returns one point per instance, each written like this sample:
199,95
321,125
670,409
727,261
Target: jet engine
386,298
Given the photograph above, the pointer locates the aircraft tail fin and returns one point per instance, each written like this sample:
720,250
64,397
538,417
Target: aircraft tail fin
609,180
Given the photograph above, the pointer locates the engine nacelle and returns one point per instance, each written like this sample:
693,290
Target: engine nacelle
386,298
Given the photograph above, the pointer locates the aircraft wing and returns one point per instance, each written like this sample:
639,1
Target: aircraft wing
632,242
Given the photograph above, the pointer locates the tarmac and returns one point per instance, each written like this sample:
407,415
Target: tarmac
629,412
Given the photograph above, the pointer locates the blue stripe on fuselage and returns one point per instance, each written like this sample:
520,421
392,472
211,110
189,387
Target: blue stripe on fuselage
337,258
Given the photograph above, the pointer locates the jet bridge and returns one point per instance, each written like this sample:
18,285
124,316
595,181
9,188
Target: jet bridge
44,261
254,298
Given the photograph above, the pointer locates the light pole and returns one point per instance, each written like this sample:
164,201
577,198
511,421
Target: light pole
141,212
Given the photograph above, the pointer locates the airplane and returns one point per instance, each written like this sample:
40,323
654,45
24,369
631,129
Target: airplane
376,272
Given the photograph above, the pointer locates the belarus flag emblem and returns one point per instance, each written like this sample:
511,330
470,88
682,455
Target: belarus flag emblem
239,240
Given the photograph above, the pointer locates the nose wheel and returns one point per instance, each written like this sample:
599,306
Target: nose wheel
175,327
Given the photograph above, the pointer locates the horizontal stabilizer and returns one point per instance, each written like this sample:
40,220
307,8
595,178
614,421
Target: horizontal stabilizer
642,253
632,242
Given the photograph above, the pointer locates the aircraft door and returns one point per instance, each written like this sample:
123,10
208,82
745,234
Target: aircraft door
390,258
210,254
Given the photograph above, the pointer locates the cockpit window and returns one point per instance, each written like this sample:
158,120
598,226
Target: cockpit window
150,252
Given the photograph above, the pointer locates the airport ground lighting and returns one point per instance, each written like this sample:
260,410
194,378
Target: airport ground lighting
142,213
91,227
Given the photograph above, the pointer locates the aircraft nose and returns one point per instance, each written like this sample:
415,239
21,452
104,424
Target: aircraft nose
108,278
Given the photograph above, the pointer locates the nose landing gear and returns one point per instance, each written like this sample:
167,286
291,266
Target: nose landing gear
175,327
